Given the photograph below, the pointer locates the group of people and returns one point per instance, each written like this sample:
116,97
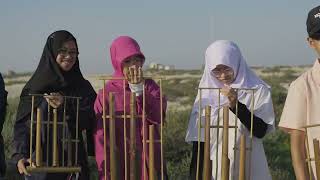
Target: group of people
58,74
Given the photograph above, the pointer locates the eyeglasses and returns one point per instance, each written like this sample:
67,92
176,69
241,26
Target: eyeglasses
133,59
65,52
217,72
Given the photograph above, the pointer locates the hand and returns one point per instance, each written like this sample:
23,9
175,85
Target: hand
134,75
54,99
231,94
21,165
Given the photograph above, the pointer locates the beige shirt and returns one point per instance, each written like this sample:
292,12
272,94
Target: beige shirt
302,105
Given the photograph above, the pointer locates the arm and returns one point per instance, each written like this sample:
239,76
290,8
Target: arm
298,154
98,134
293,118
88,118
21,134
259,126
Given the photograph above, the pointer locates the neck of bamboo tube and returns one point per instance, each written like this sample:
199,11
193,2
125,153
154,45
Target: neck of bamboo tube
207,162
317,156
112,136
225,138
54,139
151,153
38,139
242,163
133,163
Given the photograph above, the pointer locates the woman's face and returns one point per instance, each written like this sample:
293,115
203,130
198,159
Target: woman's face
131,62
223,73
67,55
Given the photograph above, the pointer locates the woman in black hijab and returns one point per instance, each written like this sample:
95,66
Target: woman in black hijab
57,74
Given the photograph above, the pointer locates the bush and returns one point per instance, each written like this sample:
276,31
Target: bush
177,151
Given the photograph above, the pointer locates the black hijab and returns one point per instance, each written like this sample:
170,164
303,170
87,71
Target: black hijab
48,76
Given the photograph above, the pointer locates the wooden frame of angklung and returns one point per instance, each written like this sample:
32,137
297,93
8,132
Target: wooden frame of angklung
316,150
65,162
132,120
243,149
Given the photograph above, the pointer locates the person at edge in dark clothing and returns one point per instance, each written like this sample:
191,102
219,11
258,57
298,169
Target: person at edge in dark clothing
58,74
3,109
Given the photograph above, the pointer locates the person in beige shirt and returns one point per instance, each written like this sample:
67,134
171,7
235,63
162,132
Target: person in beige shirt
302,106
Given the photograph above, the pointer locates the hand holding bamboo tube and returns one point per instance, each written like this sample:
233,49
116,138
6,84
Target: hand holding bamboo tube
54,99
231,94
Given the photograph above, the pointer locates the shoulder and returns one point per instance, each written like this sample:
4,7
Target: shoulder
150,82
86,90
87,83
262,94
151,85
300,83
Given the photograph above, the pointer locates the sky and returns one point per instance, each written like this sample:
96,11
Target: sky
170,32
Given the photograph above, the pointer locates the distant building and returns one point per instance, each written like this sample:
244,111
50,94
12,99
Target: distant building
157,66
169,67
11,73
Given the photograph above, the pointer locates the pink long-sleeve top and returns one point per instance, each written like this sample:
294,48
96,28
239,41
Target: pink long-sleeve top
122,48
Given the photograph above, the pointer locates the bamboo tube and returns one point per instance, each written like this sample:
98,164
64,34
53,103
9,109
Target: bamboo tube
64,130
112,136
151,153
251,136
218,134
207,162
235,134
54,139
69,147
242,160
144,132
48,132
161,129
225,137
77,134
308,154
104,129
125,130
31,129
38,139
199,134
133,168
317,156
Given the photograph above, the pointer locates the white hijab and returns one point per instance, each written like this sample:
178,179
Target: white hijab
226,53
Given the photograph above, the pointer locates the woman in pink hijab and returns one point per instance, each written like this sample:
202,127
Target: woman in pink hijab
127,61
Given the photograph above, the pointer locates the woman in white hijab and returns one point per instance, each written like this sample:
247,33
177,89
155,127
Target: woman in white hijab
225,68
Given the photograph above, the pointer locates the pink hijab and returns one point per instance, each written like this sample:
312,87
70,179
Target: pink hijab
122,48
